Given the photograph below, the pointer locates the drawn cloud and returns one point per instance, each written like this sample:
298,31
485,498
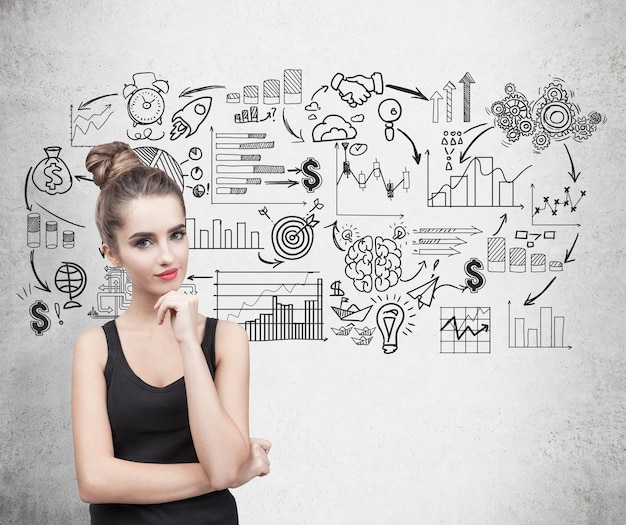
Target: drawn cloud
334,127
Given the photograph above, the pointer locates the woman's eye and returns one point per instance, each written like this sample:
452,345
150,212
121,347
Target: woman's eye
178,235
143,243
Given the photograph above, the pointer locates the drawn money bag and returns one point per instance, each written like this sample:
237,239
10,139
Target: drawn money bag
51,175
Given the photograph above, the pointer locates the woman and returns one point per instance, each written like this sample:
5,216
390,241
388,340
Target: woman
159,395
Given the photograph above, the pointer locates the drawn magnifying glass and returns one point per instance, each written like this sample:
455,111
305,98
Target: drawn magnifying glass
389,110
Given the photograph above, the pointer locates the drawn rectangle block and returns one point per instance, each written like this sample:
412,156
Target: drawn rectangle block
204,239
549,234
250,168
255,240
251,94
537,262
517,260
519,337
559,331
271,91
292,85
52,234
241,235
458,191
233,98
532,338
244,145
190,226
545,326
555,266
483,174
217,233
496,254
33,230
68,239
521,234
254,114
506,191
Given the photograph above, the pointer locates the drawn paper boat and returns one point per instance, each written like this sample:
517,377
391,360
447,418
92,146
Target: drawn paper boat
367,332
353,313
362,341
344,330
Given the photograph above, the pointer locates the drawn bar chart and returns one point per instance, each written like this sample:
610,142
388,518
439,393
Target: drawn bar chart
478,186
220,238
518,257
272,306
550,332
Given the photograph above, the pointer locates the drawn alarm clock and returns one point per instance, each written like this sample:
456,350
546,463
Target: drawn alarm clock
145,102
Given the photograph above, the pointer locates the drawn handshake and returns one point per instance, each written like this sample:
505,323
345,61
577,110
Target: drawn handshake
357,89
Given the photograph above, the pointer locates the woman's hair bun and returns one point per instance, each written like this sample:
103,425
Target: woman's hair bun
106,162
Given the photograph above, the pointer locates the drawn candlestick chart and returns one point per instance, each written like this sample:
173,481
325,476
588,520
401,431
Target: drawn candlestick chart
272,306
479,185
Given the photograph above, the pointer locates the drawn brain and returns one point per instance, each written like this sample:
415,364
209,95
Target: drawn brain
374,264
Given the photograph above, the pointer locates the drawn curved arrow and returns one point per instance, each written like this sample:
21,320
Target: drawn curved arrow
462,157
568,253
274,263
531,300
44,286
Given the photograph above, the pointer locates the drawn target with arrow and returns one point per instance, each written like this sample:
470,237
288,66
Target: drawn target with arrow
292,236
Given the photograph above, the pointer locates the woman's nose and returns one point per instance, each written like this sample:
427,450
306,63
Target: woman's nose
165,254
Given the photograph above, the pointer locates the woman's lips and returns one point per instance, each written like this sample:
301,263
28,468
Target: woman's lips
168,275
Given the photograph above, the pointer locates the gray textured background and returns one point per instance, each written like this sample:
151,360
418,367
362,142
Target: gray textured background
517,438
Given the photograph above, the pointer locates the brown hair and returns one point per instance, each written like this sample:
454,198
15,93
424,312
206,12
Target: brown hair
122,177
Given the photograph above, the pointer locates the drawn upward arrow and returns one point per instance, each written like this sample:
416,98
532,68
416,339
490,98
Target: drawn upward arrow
531,300
335,231
467,80
85,105
436,97
462,157
568,253
572,173
504,219
187,92
448,89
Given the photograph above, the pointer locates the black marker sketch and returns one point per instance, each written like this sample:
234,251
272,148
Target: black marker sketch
415,93
33,230
465,330
292,236
441,243
355,90
366,335
497,253
416,156
312,180
504,219
292,86
553,116
187,92
219,238
389,111
352,313
332,128
389,319
188,119
464,156
448,88
25,292
158,158
374,263
71,279
476,280
271,91
378,175
553,205
436,97
568,252
572,172
51,175
43,285
550,334
41,321
88,125
113,298
467,81
425,293
291,131
531,300
57,311
145,101
255,301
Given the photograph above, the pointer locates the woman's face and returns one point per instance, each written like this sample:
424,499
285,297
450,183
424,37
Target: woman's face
153,246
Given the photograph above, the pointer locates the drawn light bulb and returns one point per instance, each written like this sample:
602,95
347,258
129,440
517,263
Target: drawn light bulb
389,319
389,111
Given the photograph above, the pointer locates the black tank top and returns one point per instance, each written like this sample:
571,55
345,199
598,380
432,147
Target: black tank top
151,425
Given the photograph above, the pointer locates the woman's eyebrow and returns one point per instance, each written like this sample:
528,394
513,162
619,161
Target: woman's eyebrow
151,234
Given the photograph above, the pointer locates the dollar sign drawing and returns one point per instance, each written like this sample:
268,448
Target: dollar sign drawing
312,179
42,321
477,279
337,291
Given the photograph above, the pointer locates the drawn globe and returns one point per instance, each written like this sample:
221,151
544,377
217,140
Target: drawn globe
70,279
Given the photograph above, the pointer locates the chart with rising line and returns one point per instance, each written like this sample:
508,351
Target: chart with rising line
465,330
272,306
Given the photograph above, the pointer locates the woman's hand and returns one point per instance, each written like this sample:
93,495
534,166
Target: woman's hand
183,309
257,464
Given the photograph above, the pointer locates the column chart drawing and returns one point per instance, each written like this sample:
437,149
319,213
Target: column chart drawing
272,306
218,237
465,330
543,331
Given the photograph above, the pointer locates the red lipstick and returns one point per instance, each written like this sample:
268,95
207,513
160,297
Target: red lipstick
168,275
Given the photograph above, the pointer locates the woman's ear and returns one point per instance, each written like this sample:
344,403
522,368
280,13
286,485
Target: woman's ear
110,255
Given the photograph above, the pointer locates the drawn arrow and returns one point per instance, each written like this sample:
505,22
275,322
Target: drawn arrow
83,177
421,266
323,89
467,80
462,157
572,173
335,231
187,92
194,277
416,93
459,231
416,156
44,286
441,241
85,105
531,300
436,97
568,253
504,219
291,132
287,182
29,206
449,251
448,89
274,263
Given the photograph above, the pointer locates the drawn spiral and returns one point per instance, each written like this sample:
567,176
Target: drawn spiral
292,237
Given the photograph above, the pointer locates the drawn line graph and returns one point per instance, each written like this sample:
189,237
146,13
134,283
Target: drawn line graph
465,330
84,125
272,306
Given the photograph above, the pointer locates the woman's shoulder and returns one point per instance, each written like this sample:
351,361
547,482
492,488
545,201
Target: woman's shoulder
92,342
231,339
